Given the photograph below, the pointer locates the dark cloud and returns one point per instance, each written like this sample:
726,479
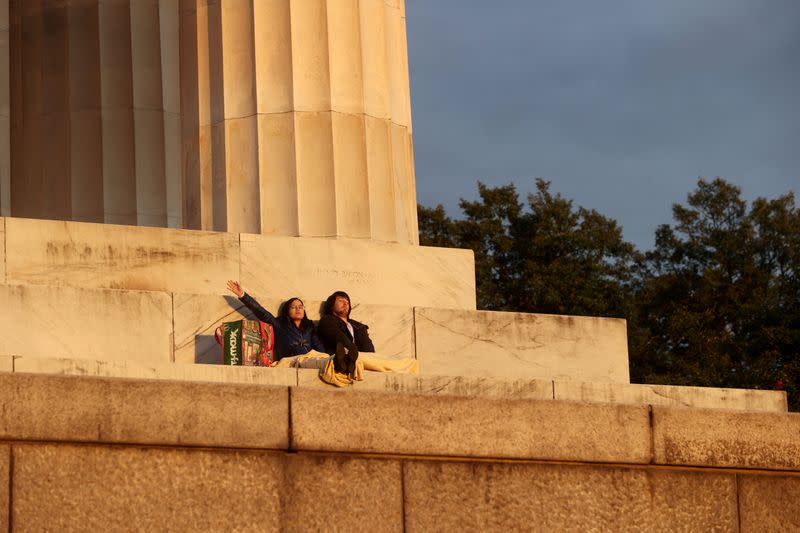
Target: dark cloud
621,104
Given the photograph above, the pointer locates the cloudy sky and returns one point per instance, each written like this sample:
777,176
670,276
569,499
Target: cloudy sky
622,104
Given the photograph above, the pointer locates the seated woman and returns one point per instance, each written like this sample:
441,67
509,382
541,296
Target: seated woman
298,346
295,334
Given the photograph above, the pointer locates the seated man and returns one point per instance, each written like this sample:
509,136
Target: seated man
340,335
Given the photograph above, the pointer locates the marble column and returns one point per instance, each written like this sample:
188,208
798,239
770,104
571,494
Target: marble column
281,117
5,110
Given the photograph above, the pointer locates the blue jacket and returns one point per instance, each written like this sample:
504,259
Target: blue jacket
289,339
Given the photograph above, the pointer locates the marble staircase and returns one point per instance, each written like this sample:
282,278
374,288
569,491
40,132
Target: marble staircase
121,301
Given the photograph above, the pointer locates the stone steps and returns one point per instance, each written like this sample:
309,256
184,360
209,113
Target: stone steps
455,386
153,327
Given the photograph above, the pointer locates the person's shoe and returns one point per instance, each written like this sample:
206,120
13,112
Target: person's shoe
340,359
352,357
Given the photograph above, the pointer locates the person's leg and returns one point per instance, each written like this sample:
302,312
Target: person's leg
404,365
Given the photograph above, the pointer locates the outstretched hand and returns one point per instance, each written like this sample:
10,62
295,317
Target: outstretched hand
235,288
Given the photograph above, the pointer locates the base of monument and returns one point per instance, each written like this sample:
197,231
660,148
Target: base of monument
124,447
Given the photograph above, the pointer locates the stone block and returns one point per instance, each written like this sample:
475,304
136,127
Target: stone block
371,422
42,321
666,395
120,411
167,371
371,272
323,493
98,488
456,386
438,385
769,503
517,345
453,496
5,472
734,439
53,253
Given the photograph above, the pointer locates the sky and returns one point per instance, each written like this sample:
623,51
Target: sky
621,104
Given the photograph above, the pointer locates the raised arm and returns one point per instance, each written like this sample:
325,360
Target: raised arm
251,303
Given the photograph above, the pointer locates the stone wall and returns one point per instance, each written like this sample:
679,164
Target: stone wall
137,454
58,253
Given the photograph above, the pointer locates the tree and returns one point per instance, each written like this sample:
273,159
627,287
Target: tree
715,303
718,299
545,256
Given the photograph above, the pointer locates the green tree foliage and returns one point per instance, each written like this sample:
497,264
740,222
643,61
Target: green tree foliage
715,303
544,256
718,299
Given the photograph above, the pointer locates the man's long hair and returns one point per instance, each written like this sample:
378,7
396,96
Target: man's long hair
328,310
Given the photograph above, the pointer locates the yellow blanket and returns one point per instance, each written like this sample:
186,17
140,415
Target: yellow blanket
366,361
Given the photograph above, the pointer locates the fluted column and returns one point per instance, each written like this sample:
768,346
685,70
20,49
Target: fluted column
86,137
5,110
282,117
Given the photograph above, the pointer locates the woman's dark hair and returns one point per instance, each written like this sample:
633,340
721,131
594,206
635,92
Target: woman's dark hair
283,313
332,298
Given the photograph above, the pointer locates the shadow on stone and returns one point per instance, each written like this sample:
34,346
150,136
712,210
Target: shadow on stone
206,350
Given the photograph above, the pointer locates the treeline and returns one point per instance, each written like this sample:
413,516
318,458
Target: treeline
715,303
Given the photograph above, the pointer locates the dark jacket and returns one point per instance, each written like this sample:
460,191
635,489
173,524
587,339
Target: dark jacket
332,329
289,339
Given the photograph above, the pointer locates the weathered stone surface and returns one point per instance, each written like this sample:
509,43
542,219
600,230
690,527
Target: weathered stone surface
119,257
440,385
5,471
72,322
100,410
714,438
456,386
769,503
517,345
370,422
165,371
371,272
97,488
666,395
451,496
197,316
325,493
